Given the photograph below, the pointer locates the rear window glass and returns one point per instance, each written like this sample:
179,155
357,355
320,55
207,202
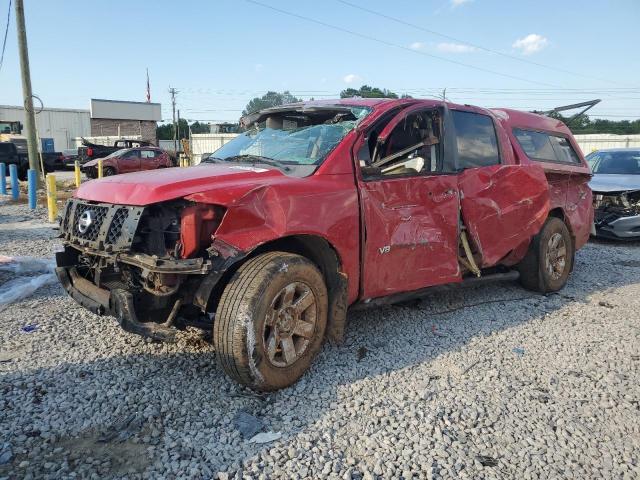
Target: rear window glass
545,147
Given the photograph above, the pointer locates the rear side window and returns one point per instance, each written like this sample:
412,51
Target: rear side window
148,154
476,140
544,147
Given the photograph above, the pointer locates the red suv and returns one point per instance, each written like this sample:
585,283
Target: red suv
129,160
320,207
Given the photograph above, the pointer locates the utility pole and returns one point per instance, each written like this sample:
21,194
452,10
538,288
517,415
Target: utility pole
173,93
30,118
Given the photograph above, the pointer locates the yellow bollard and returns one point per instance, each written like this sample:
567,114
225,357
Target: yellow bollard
51,198
76,167
100,168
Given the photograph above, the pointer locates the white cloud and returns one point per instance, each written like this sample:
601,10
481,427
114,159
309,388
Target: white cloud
418,46
457,3
532,43
455,48
351,78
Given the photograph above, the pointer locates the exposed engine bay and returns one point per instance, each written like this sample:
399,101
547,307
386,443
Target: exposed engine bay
617,213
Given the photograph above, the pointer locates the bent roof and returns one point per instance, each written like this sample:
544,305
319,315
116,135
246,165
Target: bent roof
508,117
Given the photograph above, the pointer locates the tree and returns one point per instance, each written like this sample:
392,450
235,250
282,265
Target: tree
365,91
269,99
165,132
583,124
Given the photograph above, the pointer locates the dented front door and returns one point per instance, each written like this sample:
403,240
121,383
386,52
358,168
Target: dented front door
502,207
410,233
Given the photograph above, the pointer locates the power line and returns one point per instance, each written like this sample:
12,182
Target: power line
396,45
474,45
6,30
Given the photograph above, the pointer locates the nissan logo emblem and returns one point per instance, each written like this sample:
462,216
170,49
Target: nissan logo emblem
85,221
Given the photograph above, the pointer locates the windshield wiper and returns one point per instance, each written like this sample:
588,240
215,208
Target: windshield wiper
258,159
211,160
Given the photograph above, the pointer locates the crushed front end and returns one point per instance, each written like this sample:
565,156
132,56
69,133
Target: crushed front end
141,264
617,214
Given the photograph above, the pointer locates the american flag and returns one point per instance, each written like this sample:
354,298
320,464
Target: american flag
148,88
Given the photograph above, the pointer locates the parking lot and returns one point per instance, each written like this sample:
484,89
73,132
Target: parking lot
491,382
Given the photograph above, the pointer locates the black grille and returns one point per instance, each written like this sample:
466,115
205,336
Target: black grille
115,229
98,215
112,227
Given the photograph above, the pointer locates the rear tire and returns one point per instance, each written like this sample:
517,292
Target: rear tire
270,321
549,261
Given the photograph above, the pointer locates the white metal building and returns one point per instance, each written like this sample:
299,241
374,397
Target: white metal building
61,124
597,141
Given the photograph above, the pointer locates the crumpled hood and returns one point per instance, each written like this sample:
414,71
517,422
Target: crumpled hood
602,182
153,186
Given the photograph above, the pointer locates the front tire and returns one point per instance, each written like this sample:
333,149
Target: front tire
270,321
109,171
549,261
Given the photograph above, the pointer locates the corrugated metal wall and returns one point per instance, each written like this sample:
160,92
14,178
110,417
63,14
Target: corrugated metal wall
208,143
57,123
598,141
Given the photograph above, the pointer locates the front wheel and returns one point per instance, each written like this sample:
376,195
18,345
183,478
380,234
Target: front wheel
549,261
270,320
109,171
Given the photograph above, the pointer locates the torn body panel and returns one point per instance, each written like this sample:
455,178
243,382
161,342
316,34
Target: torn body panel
502,207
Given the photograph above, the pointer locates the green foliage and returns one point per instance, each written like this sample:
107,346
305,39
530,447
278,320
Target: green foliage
269,99
165,132
365,91
583,124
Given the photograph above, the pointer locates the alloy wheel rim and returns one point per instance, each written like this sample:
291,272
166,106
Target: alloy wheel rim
556,256
290,324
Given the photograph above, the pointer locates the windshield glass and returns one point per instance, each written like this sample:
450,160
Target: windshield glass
620,163
117,153
292,139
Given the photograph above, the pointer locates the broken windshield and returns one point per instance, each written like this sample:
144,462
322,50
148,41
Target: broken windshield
295,138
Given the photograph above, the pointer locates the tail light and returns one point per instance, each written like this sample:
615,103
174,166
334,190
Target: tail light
89,152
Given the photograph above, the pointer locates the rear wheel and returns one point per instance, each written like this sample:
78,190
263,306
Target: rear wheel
271,320
549,261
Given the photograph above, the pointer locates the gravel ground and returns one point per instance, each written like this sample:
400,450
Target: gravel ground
492,382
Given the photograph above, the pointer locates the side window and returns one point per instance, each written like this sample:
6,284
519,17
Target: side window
545,147
476,140
132,154
148,154
412,147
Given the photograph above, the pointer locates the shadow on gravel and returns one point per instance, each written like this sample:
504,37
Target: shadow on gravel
185,404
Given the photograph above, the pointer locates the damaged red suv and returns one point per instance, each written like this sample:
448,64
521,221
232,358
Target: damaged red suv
320,207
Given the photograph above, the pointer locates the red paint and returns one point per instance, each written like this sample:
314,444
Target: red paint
133,160
501,206
391,235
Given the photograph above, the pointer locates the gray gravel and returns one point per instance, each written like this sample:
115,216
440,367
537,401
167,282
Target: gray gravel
493,382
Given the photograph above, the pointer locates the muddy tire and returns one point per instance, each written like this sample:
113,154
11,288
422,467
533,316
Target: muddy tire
549,261
271,320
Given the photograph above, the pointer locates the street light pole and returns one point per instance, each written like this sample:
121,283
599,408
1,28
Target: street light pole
30,119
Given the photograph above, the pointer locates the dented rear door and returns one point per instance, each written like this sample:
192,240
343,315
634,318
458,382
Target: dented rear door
502,207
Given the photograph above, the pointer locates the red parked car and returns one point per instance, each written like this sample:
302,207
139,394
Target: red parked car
129,160
321,207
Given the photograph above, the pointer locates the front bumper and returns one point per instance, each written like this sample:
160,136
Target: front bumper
117,303
620,228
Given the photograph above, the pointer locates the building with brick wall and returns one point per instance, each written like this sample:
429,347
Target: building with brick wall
115,118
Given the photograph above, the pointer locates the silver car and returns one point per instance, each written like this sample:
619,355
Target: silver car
616,192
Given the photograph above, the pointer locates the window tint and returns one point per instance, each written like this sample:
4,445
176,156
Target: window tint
476,140
544,147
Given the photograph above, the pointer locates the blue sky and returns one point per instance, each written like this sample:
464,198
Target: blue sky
220,54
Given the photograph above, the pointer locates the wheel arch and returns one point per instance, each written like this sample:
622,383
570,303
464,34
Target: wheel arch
323,255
